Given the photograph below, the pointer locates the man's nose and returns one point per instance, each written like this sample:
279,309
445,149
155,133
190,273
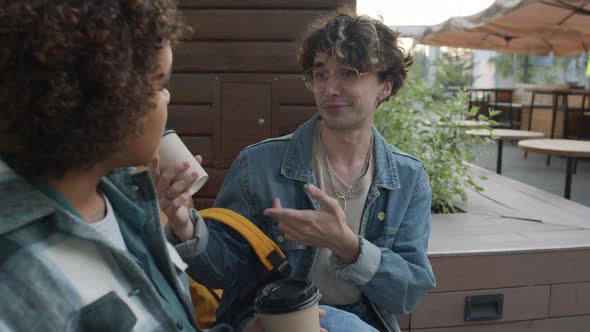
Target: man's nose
332,86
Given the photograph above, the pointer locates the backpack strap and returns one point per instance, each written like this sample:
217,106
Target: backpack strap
271,256
267,251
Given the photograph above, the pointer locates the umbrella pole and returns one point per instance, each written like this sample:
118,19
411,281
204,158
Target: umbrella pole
525,76
514,69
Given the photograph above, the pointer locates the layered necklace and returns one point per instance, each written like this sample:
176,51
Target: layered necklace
343,194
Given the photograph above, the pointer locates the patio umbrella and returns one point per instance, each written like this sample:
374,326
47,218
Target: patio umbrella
535,27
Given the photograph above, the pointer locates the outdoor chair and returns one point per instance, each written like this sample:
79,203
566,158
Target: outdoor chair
511,115
583,129
487,100
479,99
509,110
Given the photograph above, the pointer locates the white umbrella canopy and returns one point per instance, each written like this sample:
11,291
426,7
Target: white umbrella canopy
535,27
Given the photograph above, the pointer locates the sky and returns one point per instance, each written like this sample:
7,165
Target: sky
419,12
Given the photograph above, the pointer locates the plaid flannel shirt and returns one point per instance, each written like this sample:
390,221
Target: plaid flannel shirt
59,274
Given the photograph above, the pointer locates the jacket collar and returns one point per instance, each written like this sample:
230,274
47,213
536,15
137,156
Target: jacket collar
297,160
117,187
17,194
15,207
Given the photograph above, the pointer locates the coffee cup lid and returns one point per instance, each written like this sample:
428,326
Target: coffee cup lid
287,295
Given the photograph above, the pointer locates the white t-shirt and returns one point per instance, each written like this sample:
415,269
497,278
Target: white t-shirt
109,227
334,290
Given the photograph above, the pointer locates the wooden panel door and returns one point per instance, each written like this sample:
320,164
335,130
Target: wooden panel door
245,116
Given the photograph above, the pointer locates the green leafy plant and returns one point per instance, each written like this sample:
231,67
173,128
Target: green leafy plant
428,129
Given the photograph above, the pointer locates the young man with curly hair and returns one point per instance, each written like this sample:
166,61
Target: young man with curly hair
350,211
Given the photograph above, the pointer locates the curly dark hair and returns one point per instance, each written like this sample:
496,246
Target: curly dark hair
359,41
76,78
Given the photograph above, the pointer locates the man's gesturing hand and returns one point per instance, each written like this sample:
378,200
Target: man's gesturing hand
325,228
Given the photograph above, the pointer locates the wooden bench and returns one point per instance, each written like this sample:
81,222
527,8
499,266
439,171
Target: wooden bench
528,246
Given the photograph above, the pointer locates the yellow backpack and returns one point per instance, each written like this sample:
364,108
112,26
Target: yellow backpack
206,300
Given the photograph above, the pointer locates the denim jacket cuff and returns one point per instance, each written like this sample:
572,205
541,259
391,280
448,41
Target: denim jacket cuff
362,271
194,247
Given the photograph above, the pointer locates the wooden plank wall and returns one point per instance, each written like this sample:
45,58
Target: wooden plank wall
237,81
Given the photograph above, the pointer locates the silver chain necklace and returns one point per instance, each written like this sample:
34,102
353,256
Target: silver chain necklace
343,195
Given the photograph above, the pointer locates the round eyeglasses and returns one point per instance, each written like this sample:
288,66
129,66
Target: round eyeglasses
316,78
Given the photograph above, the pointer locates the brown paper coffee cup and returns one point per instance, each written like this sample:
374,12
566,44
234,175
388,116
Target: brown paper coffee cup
289,306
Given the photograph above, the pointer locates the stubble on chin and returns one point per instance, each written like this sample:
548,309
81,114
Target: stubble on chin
336,123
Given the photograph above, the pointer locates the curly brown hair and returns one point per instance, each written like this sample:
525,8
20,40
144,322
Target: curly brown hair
359,41
76,78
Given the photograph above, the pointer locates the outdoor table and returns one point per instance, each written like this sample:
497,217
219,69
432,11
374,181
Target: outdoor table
462,123
505,135
472,123
571,149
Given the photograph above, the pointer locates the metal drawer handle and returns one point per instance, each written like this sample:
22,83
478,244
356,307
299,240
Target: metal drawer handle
484,307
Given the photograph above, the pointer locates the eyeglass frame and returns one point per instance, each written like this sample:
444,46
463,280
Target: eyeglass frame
309,82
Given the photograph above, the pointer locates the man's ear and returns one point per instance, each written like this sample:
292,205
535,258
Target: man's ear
387,87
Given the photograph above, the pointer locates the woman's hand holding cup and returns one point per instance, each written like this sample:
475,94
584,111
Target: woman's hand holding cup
174,193
177,175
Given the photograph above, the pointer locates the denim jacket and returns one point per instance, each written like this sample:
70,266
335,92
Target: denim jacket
392,270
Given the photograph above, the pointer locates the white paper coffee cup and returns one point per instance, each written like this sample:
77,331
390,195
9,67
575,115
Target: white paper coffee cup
173,153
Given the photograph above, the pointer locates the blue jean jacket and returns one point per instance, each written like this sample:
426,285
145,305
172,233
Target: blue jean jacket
392,271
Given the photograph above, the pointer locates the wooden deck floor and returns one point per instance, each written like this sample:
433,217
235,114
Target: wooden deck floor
510,216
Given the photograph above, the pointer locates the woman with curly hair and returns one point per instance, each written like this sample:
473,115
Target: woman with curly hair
83,97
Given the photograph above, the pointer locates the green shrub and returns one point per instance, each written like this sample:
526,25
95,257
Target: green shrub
423,127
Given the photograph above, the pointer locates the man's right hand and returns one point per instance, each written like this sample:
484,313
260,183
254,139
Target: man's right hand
324,228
